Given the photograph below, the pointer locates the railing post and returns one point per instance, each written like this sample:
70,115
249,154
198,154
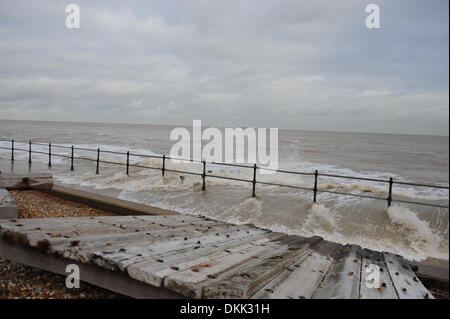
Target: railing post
254,181
164,165
29,153
316,175
204,176
12,150
49,154
98,160
389,199
128,162
71,159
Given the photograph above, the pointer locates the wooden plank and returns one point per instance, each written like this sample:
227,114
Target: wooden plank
108,251
406,284
41,181
67,229
134,247
114,281
98,234
121,250
196,246
386,289
173,245
342,281
122,224
155,270
190,282
244,281
44,225
301,279
162,220
59,224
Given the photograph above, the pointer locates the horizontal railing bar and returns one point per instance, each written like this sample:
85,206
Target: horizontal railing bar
144,155
183,159
85,149
69,147
80,148
419,203
112,152
143,166
355,177
422,185
284,171
35,143
110,162
16,149
230,178
167,157
60,155
38,152
58,146
182,172
230,164
283,185
85,159
38,143
349,194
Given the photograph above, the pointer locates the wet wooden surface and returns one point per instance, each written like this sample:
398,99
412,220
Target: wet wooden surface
200,258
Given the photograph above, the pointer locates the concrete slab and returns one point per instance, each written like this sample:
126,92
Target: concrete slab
114,205
434,273
8,206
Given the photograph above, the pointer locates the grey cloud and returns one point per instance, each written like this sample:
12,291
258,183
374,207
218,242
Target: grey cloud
288,64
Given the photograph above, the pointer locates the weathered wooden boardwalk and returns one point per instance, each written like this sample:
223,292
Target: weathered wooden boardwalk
186,256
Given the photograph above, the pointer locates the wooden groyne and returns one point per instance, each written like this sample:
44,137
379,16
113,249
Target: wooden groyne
186,256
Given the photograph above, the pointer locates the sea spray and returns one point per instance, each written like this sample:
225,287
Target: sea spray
417,232
319,221
245,213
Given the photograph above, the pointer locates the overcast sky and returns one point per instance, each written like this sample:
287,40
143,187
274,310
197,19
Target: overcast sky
309,65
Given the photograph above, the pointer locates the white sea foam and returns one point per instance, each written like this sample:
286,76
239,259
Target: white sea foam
418,234
234,214
319,221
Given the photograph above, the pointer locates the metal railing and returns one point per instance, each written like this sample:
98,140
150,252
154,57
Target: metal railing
204,175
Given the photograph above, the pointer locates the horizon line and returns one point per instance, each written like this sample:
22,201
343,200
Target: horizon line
186,125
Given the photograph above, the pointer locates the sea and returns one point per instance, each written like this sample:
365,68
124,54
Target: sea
416,232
